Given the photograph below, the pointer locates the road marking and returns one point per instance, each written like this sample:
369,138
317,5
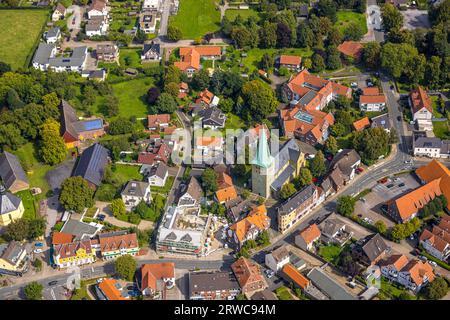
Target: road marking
53,294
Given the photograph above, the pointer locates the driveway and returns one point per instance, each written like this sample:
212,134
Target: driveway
77,14
52,214
415,19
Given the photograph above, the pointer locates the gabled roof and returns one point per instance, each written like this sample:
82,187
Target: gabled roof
159,170
420,99
361,124
62,238
298,198
60,7
109,288
351,48
371,91
190,56
397,261
68,250
156,119
154,272
296,276
135,188
226,194
418,270
247,272
116,241
99,5
374,247
11,170
256,218
310,234
151,47
206,281
345,160
194,189
91,164
291,60
280,253
8,201
372,99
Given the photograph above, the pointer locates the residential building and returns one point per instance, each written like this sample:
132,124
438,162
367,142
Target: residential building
212,118
293,275
207,98
437,241
157,175
370,249
250,227
209,144
432,147
381,121
156,278
326,284
76,253
116,244
361,124
59,13
215,285
335,231
45,58
91,165
53,35
107,52
307,237
136,192
80,230
298,205
151,52
96,75
249,276
11,207
435,170
62,238
237,208
158,121
151,5
372,100
97,26
13,258
75,131
290,62
110,289
184,90
147,21
277,259
12,174
190,57
156,153
351,49
97,8
421,108
313,91
391,266
225,190
264,295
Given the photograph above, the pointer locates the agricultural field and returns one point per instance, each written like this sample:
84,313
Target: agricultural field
196,18
345,17
20,31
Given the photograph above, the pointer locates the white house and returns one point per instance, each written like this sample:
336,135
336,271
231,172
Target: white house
306,238
158,175
135,192
191,194
152,5
151,52
421,108
59,12
97,8
52,35
97,26
277,259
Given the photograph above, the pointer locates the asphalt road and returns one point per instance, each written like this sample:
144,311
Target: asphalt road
164,18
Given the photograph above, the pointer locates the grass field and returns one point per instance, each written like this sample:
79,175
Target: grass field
254,55
345,17
330,253
28,204
283,293
441,129
20,29
435,101
131,95
196,18
231,14
126,173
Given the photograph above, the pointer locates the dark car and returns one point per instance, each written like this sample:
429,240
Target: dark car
390,186
401,185
399,118
101,217
52,283
73,21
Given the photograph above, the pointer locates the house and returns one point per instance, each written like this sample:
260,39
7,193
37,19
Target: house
264,295
237,207
97,8
342,170
215,285
62,238
372,100
361,124
370,249
80,230
151,52
293,275
151,5
207,144
42,55
107,52
424,146
306,238
147,22
91,165
158,121
249,276
116,244
436,170
157,175
45,58
156,278
159,152
326,284
76,253
351,49
191,194
207,98
184,90
53,35
299,204
391,266
97,26
59,13
421,108
306,124
110,289
290,62
250,227
135,192
75,131
314,91
226,190
437,241
335,231
96,75
381,121
13,258
190,57
277,259
12,174
11,207
212,118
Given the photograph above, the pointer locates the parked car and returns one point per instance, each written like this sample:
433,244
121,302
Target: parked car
399,118
434,264
101,217
401,185
384,180
37,251
390,186
423,258
52,283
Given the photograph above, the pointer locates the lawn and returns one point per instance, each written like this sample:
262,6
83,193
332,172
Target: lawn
196,18
435,104
131,95
28,204
390,289
330,252
231,14
167,187
130,58
345,17
234,122
126,173
20,30
283,293
441,129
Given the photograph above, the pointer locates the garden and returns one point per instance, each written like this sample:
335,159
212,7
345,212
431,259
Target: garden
344,18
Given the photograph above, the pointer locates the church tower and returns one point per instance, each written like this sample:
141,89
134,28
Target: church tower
262,168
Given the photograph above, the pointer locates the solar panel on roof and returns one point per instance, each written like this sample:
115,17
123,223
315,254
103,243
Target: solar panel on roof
93,124
302,116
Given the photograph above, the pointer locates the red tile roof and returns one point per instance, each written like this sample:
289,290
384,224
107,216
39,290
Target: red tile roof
420,99
311,233
372,99
371,91
434,170
117,242
190,56
62,238
154,120
108,287
351,48
247,272
151,273
290,60
256,218
361,124
296,276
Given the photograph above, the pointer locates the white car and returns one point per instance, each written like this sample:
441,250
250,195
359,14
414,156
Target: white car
37,251
434,264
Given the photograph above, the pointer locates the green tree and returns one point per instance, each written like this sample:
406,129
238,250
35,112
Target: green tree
437,289
76,194
371,55
36,228
118,207
287,190
242,37
371,143
10,136
125,267
333,58
317,165
33,291
200,80
331,145
166,103
53,148
327,8
381,226
266,62
304,178
120,125
259,101
345,205
354,31
318,64
209,180
174,33
405,296
263,239
50,100
226,105
305,36
17,230
268,35
391,18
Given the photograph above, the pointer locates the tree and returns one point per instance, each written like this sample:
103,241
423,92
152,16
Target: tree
397,57
371,143
4,67
354,31
227,26
405,296
331,145
33,291
327,8
304,178
174,33
226,105
120,125
166,103
118,207
345,205
283,35
348,264
258,100
89,95
266,62
391,18
209,180
125,267
317,165
318,64
268,35
110,107
437,289
76,194
153,94
305,36
371,55
287,190
381,226
433,72
36,228
333,58
200,80
13,100
53,148
334,37
263,238
242,37
17,230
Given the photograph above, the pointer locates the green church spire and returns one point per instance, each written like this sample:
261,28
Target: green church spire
263,158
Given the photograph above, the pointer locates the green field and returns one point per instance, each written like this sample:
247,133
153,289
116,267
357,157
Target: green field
28,204
441,129
345,17
283,293
254,56
20,29
126,173
330,253
131,95
231,14
196,18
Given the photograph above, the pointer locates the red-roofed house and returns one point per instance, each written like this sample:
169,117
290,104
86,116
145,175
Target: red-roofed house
415,275
208,98
110,289
61,238
156,278
372,100
156,121
351,49
361,124
155,155
421,105
306,238
249,276
437,241
291,62
190,57
295,276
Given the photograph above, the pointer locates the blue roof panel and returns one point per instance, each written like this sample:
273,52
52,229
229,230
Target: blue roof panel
93,124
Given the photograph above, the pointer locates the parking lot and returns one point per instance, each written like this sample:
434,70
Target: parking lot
369,206
415,19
